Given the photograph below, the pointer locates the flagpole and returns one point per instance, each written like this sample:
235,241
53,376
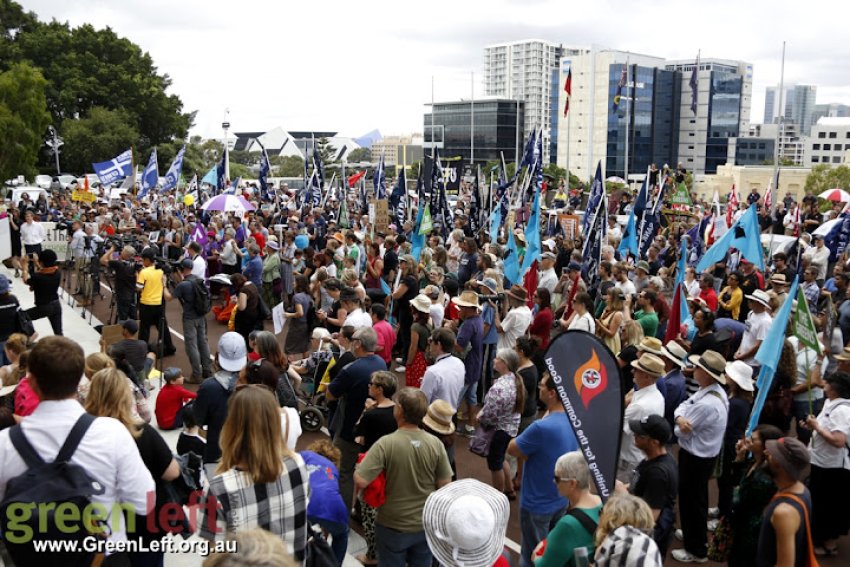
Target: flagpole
776,151
696,136
472,122
628,119
433,142
569,119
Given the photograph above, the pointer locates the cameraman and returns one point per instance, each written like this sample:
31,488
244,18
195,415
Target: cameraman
194,323
83,244
150,284
124,290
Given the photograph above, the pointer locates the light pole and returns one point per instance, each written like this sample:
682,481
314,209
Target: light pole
225,125
54,144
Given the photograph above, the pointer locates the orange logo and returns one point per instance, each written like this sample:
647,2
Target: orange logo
590,379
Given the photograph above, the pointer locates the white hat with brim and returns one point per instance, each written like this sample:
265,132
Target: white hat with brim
760,296
741,374
706,364
6,390
674,352
465,523
421,303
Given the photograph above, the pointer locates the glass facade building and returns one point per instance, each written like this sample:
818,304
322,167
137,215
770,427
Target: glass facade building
724,116
495,125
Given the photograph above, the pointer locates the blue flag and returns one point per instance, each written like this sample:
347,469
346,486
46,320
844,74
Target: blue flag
512,274
495,223
532,235
838,237
629,243
398,200
380,180
150,176
744,235
682,264
172,176
417,241
211,178
385,287
530,149
475,206
642,197
265,167
592,248
318,169
597,191
117,168
769,352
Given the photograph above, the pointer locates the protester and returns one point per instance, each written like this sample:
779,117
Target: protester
622,535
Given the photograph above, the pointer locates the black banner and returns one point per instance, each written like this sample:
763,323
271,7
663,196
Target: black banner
452,174
587,378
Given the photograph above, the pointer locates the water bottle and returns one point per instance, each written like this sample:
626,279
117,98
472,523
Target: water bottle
580,558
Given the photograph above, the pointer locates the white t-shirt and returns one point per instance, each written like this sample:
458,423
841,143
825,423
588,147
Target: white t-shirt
437,312
627,287
199,267
835,416
358,318
290,415
514,325
758,325
548,279
583,323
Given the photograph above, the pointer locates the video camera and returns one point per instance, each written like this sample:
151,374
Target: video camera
495,298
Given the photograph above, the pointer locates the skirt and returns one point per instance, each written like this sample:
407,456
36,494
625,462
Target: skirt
297,337
414,372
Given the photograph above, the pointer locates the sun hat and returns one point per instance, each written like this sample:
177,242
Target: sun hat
712,362
760,296
653,426
518,292
272,245
643,265
791,455
232,352
439,417
650,364
548,256
465,523
741,374
651,344
676,353
490,284
421,303
778,279
467,298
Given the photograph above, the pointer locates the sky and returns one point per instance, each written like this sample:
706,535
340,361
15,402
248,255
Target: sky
351,68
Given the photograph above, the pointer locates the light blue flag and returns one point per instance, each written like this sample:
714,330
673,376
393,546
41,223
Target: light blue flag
629,243
385,287
417,241
532,235
150,176
211,178
117,168
682,264
173,173
512,261
744,235
495,223
769,353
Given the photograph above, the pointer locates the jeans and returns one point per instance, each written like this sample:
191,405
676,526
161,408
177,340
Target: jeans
348,459
469,394
397,549
339,536
197,347
535,528
53,312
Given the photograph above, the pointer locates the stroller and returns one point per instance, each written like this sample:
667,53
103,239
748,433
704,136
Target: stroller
313,405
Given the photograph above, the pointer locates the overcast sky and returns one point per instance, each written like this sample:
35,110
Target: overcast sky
355,66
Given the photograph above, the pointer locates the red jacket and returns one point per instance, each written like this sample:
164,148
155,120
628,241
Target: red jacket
169,401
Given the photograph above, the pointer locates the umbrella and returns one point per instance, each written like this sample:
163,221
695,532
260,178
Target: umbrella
824,229
837,195
615,179
228,203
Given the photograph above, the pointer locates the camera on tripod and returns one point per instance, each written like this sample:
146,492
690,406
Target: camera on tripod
167,266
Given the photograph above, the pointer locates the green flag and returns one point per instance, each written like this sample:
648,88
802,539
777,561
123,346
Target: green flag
681,196
804,327
427,225
343,215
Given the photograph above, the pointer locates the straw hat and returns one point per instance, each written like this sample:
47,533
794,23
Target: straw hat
421,303
676,353
712,362
439,417
650,364
465,523
651,344
741,374
518,292
467,298
760,296
778,279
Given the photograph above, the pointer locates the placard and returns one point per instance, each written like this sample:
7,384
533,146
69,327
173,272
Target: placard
83,196
381,219
111,335
5,238
569,224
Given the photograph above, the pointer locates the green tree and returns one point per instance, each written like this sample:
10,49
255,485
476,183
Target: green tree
358,155
101,136
823,177
240,170
287,166
23,120
200,155
326,151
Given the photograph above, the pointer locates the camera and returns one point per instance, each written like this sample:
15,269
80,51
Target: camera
63,225
495,298
167,266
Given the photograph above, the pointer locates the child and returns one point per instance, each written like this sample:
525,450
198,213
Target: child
169,403
253,355
190,439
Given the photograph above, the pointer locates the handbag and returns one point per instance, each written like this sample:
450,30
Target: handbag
720,543
375,494
24,323
481,440
318,552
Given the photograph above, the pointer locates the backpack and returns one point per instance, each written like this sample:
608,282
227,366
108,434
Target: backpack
202,303
59,484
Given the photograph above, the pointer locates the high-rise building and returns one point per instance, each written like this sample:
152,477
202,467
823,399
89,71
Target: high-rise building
829,142
527,71
831,110
495,123
798,102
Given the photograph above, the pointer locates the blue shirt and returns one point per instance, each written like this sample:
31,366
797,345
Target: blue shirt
351,385
542,443
674,392
254,271
471,333
325,500
488,317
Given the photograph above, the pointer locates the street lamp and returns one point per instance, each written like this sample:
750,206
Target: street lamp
225,126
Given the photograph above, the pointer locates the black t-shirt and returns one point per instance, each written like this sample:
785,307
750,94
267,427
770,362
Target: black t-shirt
468,265
656,482
8,320
125,277
157,457
390,262
701,344
185,292
133,350
190,443
410,295
374,424
530,381
45,287
628,355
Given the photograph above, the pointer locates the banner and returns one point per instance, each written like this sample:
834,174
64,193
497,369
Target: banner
569,224
452,173
56,240
587,379
680,198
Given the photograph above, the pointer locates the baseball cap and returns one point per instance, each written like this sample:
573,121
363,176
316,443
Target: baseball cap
131,326
232,352
5,284
653,426
187,264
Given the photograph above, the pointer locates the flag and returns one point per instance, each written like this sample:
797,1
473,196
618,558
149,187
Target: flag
417,239
694,84
173,173
150,176
221,172
265,167
530,281
682,263
629,243
192,188
211,178
114,169
398,200
318,169
385,288
343,215
731,206
769,352
674,323
597,191
130,180
838,237
804,326
620,86
532,235
768,198
511,263
797,222
587,376
697,240
495,223
642,196
744,235
650,223
380,180
717,227
475,205
199,235
353,179
568,89
530,149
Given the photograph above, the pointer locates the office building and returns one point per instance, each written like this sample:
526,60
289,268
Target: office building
799,106
829,142
497,125
831,110
398,150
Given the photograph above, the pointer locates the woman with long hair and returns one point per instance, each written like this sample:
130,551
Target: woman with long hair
258,482
582,317
403,294
541,325
247,306
777,406
503,406
608,324
632,336
264,373
267,347
623,536
374,271
525,348
297,333
420,330
731,298
110,395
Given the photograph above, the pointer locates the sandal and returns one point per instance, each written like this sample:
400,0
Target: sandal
365,560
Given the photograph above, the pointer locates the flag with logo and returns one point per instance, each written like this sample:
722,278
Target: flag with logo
150,176
117,168
587,381
597,191
803,324
620,86
838,237
172,176
398,200
694,84
380,180
568,90
199,235
265,168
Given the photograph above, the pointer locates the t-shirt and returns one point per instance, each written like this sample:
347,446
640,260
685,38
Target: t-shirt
835,416
488,317
466,267
414,461
45,286
351,385
514,325
386,339
471,333
134,351
326,503
656,481
542,443
648,321
567,535
758,324
374,424
185,293
194,443
151,279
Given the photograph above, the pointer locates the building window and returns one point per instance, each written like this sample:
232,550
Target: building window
761,145
821,134
836,159
827,147
833,134
815,159
815,146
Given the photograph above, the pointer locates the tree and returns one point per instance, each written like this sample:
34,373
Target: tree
288,166
101,136
200,155
23,120
326,151
823,177
358,155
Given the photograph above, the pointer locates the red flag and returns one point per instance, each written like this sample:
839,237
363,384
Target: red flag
674,323
731,206
568,88
353,179
797,222
529,282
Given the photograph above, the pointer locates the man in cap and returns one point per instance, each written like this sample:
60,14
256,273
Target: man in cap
194,323
656,477
646,400
700,424
786,522
758,323
817,257
133,350
547,277
641,275
470,335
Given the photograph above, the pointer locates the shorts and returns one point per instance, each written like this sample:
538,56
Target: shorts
498,448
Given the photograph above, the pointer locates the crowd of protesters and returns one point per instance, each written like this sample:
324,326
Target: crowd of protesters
409,352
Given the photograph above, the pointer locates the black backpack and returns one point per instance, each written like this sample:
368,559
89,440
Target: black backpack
203,302
61,484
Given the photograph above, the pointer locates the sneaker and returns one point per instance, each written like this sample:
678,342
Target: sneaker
712,525
399,360
679,535
400,369
714,513
683,556
465,431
